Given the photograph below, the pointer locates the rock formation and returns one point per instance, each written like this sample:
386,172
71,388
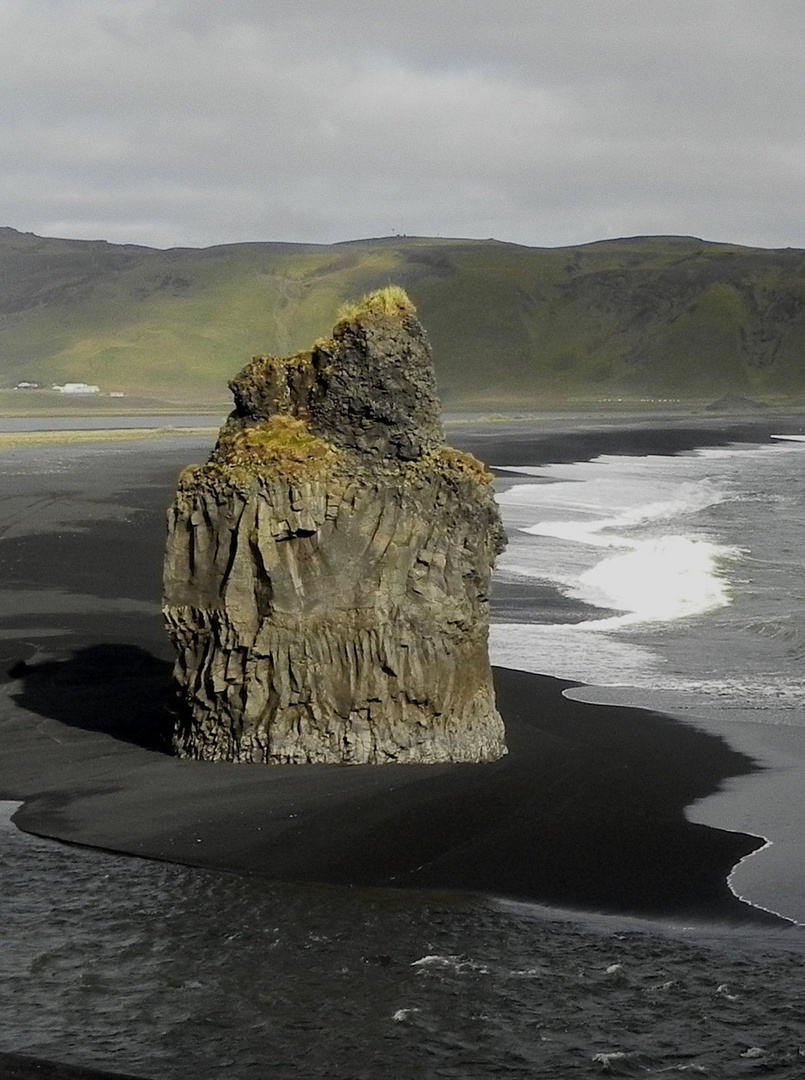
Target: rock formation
327,571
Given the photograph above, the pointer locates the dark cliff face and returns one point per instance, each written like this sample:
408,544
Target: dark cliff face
378,391
327,572
371,387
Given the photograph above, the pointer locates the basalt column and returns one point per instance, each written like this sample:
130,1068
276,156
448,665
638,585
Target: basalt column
327,571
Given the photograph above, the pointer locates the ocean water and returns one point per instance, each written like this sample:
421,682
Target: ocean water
681,574
174,973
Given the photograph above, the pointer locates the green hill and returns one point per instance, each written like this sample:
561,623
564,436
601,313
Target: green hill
647,316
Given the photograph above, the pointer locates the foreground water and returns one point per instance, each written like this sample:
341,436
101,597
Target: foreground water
186,975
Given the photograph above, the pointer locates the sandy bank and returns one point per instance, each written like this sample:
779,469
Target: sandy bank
585,810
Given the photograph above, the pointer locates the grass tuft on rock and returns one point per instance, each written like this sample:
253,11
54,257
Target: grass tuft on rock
393,300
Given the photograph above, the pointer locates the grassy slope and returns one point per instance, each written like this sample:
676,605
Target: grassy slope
645,316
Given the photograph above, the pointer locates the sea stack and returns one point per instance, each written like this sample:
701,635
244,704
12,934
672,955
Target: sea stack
327,572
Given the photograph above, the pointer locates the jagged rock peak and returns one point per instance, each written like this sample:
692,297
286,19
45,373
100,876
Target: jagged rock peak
370,387
327,572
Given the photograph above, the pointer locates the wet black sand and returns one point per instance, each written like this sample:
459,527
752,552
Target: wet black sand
25,1067
587,810
558,441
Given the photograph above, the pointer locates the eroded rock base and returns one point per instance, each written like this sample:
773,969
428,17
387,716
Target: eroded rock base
333,622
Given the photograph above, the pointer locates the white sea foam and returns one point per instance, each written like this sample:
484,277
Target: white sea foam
687,499
402,1015
660,580
659,575
567,652
458,964
698,554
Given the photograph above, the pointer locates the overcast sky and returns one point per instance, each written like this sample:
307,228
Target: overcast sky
543,122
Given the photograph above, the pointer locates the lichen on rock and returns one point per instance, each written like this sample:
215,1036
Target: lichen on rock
327,571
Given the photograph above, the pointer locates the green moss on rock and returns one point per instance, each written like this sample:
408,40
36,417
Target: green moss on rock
281,446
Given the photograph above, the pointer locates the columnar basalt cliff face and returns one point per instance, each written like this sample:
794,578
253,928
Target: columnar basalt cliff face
327,571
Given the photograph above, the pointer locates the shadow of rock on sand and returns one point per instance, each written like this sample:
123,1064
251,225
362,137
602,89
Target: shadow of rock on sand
119,690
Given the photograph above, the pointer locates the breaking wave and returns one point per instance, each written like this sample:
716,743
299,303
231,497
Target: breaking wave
658,581
679,573
655,573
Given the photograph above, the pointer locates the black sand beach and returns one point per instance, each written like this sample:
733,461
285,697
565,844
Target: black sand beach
586,811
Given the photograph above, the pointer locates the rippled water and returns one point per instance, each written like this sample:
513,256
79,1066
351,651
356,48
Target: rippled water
180,974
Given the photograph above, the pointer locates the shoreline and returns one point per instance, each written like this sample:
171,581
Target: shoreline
771,877
494,829
584,437
69,436
580,814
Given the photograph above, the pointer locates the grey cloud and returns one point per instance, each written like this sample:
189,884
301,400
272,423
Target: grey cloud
197,122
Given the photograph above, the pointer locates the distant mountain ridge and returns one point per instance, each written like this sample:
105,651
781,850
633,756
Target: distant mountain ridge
654,316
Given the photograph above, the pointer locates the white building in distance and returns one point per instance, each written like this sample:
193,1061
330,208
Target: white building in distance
77,388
